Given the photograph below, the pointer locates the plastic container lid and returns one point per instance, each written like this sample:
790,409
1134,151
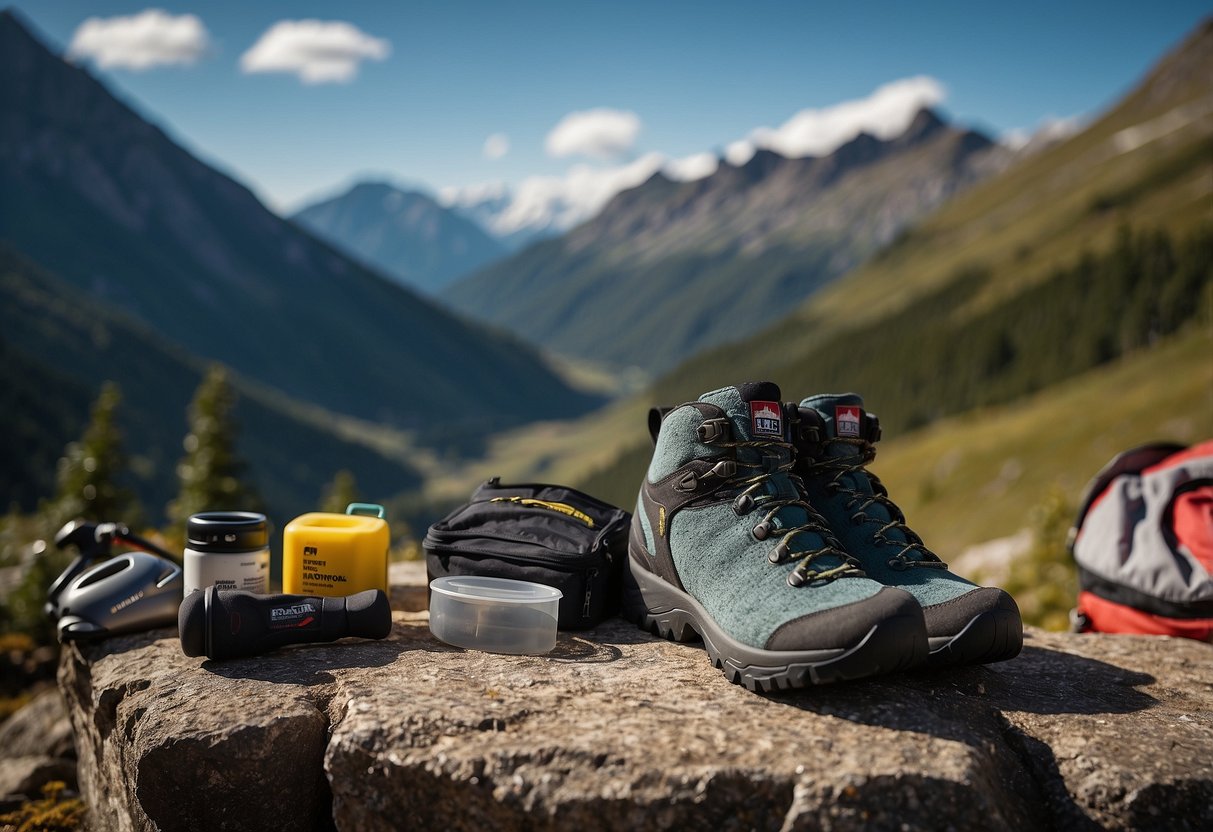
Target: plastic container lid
495,615
227,531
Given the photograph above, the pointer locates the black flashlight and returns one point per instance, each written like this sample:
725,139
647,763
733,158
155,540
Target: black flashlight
229,624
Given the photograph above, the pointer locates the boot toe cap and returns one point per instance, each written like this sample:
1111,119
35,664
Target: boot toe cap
846,625
950,617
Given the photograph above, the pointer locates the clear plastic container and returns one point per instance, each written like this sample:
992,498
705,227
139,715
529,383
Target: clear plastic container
495,615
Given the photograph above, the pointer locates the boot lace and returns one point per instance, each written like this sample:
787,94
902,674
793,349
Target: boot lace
750,494
914,552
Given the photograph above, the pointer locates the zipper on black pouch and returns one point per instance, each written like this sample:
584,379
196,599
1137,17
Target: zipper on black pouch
589,590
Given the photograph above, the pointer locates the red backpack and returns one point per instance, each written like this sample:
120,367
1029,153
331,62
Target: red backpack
1143,543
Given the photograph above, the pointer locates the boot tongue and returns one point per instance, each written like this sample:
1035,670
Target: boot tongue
843,417
756,413
753,408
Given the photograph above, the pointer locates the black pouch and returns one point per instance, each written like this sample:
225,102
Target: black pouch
548,534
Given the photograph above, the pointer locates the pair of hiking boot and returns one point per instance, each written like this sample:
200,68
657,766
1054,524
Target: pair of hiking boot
759,529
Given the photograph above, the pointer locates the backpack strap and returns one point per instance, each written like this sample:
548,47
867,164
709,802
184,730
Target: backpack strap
1132,461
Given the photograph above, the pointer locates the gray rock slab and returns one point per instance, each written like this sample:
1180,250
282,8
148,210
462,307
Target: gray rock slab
23,776
408,586
617,730
40,728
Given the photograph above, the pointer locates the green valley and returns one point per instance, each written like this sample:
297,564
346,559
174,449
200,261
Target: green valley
112,205
293,449
1077,261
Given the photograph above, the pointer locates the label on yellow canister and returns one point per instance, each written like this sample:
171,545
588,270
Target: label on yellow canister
334,554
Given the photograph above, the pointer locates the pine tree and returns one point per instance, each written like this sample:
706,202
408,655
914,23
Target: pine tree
91,469
339,493
88,486
212,474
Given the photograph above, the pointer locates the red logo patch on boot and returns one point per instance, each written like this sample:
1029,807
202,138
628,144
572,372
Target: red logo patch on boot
846,420
766,419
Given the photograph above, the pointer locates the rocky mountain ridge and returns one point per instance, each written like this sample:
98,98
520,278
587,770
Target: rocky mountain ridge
405,234
668,267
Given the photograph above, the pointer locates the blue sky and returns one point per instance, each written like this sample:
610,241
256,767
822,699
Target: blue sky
696,76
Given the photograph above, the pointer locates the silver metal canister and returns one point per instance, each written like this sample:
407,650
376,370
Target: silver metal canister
227,549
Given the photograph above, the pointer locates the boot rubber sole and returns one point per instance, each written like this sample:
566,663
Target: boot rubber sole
892,644
992,636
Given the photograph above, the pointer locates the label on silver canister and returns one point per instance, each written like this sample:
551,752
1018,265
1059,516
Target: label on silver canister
247,571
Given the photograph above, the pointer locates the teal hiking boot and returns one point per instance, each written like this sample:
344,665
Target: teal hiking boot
723,546
835,440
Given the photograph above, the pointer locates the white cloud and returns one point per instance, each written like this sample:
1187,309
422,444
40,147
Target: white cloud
496,146
690,168
739,152
318,51
141,41
1050,130
885,114
559,202
600,133
465,195
1053,128
1016,138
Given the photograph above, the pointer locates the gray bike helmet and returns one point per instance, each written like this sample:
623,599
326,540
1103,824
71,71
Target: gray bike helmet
128,593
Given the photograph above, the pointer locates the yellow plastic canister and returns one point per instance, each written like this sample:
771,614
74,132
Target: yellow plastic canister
330,554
